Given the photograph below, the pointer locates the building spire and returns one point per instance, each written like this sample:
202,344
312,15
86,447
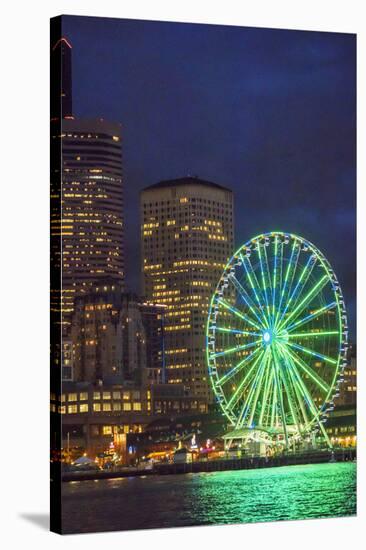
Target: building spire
61,80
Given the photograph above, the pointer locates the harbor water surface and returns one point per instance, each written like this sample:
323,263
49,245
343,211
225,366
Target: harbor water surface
244,496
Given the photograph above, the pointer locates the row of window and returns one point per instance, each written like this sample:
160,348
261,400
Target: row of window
98,407
105,395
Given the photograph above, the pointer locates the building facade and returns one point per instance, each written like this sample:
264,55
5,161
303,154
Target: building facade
93,415
117,338
348,389
187,239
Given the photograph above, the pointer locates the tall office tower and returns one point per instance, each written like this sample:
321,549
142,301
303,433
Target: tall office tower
116,338
187,238
86,197
92,207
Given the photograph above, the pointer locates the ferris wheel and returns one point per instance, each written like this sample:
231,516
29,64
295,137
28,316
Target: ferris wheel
277,338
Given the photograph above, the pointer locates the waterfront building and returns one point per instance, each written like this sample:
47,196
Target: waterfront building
117,337
187,238
93,415
341,426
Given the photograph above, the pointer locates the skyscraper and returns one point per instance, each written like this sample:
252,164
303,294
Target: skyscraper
92,206
86,198
187,238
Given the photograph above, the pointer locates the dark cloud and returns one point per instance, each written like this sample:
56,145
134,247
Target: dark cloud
269,113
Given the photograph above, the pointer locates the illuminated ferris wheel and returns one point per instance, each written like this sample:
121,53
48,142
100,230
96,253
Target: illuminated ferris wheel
277,338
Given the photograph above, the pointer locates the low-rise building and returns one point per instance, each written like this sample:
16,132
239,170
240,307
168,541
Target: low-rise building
96,415
117,337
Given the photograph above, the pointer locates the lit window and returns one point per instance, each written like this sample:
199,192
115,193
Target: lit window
126,395
96,407
96,395
116,395
106,395
83,396
107,430
116,406
107,407
84,408
137,406
126,406
136,395
71,409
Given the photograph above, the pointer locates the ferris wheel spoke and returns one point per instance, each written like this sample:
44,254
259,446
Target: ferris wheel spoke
313,334
237,331
275,279
264,285
297,387
248,400
238,313
309,400
308,318
238,392
305,301
246,298
296,293
251,275
290,391
288,277
309,371
266,391
235,349
280,393
259,388
237,368
274,402
313,353
268,273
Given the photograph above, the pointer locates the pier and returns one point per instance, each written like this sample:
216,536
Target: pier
244,463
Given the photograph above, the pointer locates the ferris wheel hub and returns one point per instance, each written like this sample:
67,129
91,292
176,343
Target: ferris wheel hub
267,337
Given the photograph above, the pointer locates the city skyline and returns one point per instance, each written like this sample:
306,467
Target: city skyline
202,273
291,111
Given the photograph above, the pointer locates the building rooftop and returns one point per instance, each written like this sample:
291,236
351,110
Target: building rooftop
188,180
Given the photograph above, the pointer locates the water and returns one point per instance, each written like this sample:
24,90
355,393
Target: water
245,496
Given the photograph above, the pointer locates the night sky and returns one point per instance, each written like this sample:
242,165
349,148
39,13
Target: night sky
270,114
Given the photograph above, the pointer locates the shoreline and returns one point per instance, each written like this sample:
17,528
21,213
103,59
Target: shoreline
247,463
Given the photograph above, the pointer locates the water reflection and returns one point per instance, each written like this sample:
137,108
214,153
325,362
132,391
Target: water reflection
294,492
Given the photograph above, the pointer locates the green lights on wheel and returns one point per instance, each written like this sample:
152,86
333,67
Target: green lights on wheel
277,336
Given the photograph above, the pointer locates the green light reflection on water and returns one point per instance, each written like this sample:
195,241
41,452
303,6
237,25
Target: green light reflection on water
272,494
241,496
